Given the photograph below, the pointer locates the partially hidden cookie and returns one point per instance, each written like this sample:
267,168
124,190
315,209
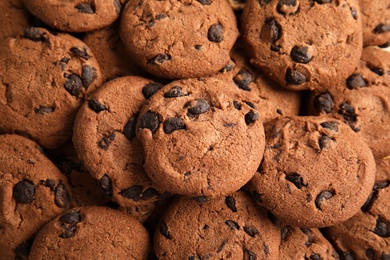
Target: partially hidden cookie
362,101
231,227
32,192
47,78
92,233
307,44
376,21
14,18
316,171
76,15
201,137
104,138
179,39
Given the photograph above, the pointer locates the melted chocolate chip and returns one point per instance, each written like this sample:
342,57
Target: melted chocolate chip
68,223
106,141
334,126
220,248
325,141
81,52
251,231
271,31
294,77
381,228
73,84
96,106
231,203
309,234
129,128
381,28
377,70
323,102
173,124
198,47
348,113
133,192
324,195
237,105
356,81
354,12
215,33
200,107
149,89
301,54
164,230
159,59
24,192
149,120
174,92
34,34
105,183
50,183
205,2
85,8
44,110
232,224
251,117
243,79
88,75
296,179
61,196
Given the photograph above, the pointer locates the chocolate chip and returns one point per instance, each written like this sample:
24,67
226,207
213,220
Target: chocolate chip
232,224
275,48
149,193
282,3
34,34
85,8
220,248
24,192
150,121
44,110
243,79
251,231
88,75
118,6
385,256
68,223
81,52
323,102
251,104
323,195
215,33
377,70
334,126
315,257
356,81
294,77
150,89
347,256
159,59
354,12
106,141
61,195
62,63
23,250
198,47
200,107
381,28
251,117
272,217
200,199
381,185
73,84
301,54
348,113
370,254
228,67
231,203
249,255
96,106
264,2
205,2
323,1
285,233
381,228
129,128
237,105
369,202
309,234
296,179
105,183
164,230
161,16
133,192
173,124
50,183
325,141
175,92
271,31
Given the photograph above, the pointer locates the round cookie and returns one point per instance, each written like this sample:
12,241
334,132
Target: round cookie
104,138
362,101
76,15
92,232
376,21
48,76
32,192
316,171
231,227
201,137
303,44
14,18
179,39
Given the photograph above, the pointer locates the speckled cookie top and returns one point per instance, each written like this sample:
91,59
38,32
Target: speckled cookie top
179,38
306,44
200,137
48,76
316,171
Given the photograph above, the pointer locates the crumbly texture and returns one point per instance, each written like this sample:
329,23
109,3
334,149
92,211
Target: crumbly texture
32,192
200,137
92,232
104,138
48,76
376,21
316,171
14,18
304,243
303,44
231,227
76,15
179,39
362,101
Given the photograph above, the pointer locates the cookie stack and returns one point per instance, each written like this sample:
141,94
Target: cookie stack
195,129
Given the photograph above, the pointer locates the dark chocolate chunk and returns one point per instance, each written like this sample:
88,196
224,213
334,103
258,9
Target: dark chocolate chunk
309,234
198,47
324,195
381,28
381,185
88,75
348,113
105,183
149,89
159,59
232,224
215,33
23,250
200,199
334,126
251,104
275,48
149,120
175,92
44,110
220,248
231,203
381,228
377,70
251,231
347,256
323,1
354,12
149,193
161,16
173,124
86,8
133,192
24,192
301,54
315,257
105,142
251,117
294,77
287,3
285,233
237,105
205,2
34,34
73,84
271,31
325,141
296,179
249,255
81,52
200,107
356,80
243,79
264,2
164,230
129,128
385,256
61,195
96,106
50,183
71,218
272,217
118,6
370,254
323,102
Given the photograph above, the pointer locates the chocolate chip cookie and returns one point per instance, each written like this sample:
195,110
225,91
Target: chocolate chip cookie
14,18
307,44
47,78
316,171
231,227
201,137
92,232
179,39
32,192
